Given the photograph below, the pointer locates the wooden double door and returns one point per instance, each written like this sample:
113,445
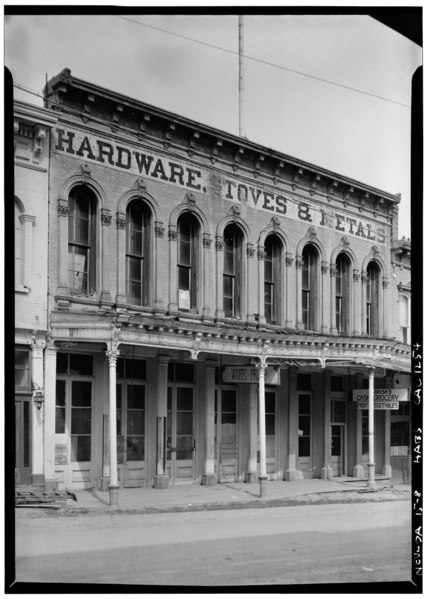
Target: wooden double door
226,435
180,434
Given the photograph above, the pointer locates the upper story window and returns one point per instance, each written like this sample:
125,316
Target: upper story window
137,251
404,318
372,299
22,370
188,229
272,291
19,249
82,240
309,287
342,293
232,271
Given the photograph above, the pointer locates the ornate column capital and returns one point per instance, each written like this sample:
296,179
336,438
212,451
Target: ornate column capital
112,356
289,259
324,268
206,240
120,220
356,275
333,270
219,243
106,216
299,261
172,233
159,229
251,250
260,252
62,207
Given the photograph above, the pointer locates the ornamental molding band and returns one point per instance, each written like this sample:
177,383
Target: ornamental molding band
172,233
120,220
356,275
289,259
85,173
299,261
206,240
219,243
251,250
159,229
106,217
325,268
260,252
62,207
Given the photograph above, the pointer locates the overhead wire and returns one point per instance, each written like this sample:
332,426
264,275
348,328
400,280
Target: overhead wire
266,62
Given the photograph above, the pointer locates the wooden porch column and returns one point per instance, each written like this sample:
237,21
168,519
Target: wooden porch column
209,477
161,478
49,418
387,470
291,474
37,409
327,470
112,356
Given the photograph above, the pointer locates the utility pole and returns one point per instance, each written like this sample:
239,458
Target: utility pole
241,77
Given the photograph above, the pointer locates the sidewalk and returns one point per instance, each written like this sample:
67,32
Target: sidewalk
235,495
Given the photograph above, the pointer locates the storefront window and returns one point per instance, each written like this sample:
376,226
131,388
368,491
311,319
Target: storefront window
22,370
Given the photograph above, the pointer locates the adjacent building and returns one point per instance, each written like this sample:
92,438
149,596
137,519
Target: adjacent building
213,307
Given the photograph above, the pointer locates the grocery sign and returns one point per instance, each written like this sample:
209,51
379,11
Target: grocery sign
384,399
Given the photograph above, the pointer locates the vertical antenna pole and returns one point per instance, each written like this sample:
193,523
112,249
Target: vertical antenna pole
241,77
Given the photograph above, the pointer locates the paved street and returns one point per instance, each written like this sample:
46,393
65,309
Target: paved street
366,542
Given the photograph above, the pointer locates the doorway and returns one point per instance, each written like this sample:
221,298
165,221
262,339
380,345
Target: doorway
181,446
22,441
338,449
130,398
226,435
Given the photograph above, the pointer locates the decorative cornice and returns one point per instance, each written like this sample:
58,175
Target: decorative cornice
115,119
142,128
236,162
167,135
215,150
106,216
87,107
314,184
277,171
257,165
331,189
296,178
63,207
192,143
159,229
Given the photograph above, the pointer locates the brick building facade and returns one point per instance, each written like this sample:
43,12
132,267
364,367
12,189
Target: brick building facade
213,305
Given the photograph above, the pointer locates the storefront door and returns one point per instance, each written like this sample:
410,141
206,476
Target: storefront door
226,444
131,433
22,441
338,449
181,447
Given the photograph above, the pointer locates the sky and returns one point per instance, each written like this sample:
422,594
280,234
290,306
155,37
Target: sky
331,90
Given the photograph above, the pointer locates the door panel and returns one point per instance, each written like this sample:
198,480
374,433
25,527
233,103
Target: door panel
130,400
337,449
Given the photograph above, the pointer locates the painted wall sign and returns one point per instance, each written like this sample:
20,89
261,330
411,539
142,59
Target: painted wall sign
283,205
381,395
246,374
379,405
127,158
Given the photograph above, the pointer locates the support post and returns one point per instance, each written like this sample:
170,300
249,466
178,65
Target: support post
371,463
262,425
161,479
209,477
112,356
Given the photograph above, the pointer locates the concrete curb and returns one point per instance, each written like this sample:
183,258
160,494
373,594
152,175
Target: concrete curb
320,498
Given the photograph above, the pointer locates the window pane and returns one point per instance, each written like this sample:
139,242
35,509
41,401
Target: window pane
183,278
228,418
184,253
81,421
80,364
81,449
228,401
270,424
135,242
59,420
81,393
136,369
304,447
135,422
60,393
229,267
136,397
134,268
184,373
305,424
135,449
304,383
228,306
184,423
184,399
270,403
62,363
227,286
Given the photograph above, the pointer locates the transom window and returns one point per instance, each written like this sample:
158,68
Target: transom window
81,240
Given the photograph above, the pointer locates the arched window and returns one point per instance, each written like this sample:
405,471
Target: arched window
342,293
232,271
372,300
82,240
404,318
19,253
309,287
272,291
187,257
137,251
